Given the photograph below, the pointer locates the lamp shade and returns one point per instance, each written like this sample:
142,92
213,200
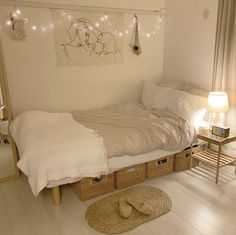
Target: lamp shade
218,101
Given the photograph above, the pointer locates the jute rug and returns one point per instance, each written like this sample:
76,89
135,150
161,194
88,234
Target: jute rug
104,215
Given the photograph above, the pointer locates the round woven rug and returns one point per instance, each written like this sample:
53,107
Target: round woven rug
104,215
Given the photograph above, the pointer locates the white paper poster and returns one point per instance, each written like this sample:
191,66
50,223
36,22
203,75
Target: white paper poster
88,38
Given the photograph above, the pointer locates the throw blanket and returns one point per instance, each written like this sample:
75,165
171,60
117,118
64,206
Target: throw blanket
130,129
55,148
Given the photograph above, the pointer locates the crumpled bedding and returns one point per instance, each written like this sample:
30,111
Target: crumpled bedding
53,147
130,129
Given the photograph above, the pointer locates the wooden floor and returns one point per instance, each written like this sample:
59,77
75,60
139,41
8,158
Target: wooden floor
199,207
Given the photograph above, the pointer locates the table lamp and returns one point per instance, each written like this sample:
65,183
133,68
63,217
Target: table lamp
218,104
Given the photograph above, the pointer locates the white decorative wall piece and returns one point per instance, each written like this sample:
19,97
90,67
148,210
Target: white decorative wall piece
88,38
17,29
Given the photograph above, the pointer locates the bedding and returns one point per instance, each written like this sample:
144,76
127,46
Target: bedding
54,147
188,106
60,148
130,129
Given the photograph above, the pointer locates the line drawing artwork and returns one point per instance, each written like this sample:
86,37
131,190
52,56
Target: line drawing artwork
83,35
84,39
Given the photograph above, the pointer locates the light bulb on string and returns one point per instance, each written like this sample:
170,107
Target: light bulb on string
105,16
8,22
34,27
18,11
43,29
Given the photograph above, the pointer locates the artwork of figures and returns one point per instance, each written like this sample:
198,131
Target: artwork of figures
88,38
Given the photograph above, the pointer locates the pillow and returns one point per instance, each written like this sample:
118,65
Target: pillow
183,104
148,94
178,85
195,90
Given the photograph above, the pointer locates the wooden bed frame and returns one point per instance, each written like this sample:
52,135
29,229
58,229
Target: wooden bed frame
56,196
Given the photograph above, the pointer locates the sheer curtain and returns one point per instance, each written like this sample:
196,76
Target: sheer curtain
224,70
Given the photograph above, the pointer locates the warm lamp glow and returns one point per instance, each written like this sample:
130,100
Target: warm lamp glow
218,102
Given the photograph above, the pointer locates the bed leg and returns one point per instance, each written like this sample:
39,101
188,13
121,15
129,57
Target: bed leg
56,196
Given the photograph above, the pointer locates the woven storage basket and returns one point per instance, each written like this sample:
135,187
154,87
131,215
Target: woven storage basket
160,167
182,159
130,176
92,187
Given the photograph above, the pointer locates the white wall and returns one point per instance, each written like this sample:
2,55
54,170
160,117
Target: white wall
189,41
35,82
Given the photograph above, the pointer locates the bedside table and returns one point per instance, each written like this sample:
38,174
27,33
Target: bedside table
211,157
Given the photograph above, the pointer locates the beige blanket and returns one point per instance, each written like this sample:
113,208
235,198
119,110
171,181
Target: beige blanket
129,129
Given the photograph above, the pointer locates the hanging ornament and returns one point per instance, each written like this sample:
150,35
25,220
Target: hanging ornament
17,28
135,46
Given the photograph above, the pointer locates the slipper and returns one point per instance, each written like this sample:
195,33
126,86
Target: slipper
141,206
124,208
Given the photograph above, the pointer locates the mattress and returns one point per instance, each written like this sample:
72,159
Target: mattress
119,162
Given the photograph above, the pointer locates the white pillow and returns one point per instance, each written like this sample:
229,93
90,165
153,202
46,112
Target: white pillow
195,90
183,104
148,94
178,85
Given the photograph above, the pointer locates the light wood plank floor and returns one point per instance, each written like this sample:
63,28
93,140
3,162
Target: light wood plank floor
199,207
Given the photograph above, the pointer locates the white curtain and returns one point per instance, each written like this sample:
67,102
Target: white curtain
224,71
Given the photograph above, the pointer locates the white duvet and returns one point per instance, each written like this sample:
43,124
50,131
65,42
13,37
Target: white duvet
47,156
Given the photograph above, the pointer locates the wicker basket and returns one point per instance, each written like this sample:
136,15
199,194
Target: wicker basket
160,167
182,159
92,187
130,176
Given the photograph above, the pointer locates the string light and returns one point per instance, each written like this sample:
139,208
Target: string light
51,25
18,12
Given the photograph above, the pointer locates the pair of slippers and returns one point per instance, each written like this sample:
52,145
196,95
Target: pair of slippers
127,203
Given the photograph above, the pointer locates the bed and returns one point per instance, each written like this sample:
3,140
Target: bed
62,148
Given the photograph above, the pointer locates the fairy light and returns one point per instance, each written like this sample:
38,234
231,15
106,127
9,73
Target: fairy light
51,25
160,18
18,11
8,23
14,15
